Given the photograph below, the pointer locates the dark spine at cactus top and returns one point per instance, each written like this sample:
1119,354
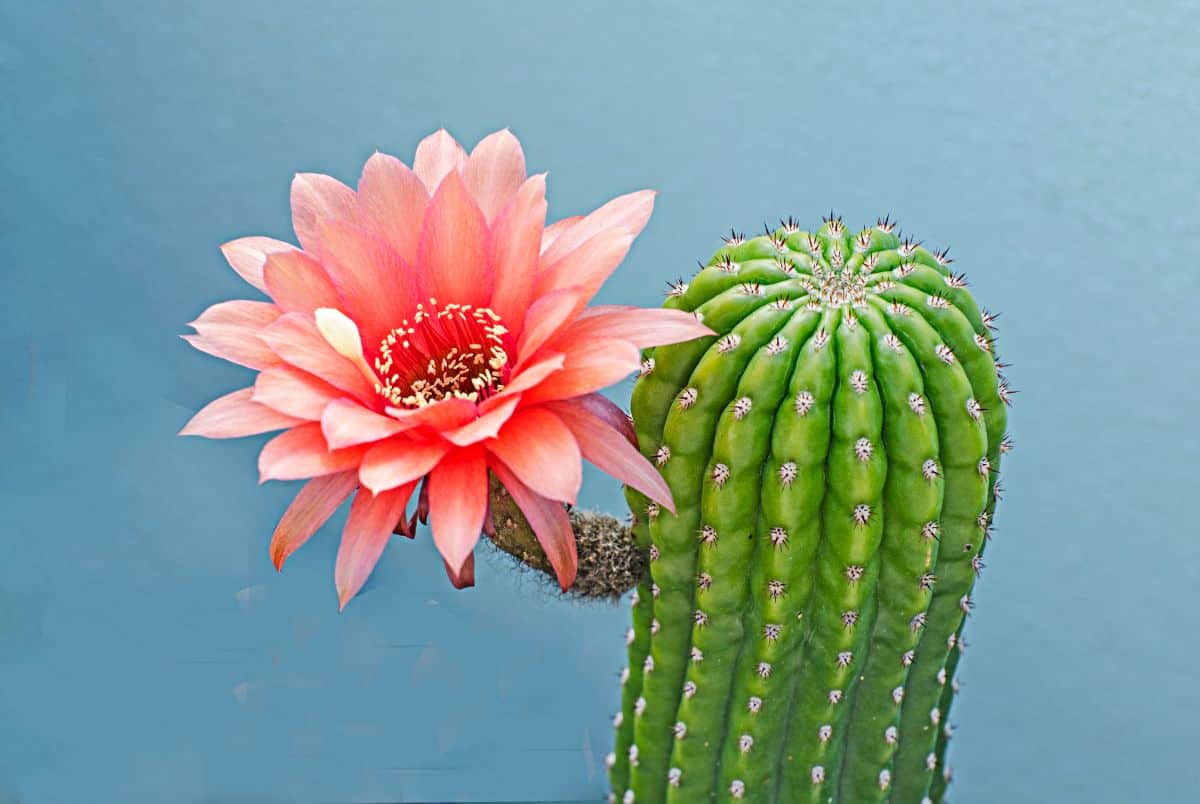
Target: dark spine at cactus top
833,453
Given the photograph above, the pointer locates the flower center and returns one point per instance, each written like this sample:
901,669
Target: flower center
457,351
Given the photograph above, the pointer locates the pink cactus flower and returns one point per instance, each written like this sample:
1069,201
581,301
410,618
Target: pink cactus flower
432,328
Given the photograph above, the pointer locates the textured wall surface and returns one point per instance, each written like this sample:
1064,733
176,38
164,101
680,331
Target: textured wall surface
150,653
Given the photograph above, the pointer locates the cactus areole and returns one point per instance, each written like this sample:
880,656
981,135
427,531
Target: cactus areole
833,454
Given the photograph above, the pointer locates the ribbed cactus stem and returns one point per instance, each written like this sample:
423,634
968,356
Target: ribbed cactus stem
832,451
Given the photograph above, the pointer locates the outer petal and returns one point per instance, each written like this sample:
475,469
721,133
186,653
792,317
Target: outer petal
589,367
494,171
533,373
295,338
301,453
376,287
315,503
368,529
488,424
515,239
246,255
465,577
627,213
546,317
345,423
601,407
236,415
231,330
294,392
612,453
550,525
317,198
399,461
452,254
641,327
392,201
587,266
297,282
458,489
237,313
541,452
437,155
555,229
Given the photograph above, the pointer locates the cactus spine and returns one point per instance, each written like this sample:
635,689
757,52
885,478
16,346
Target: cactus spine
833,453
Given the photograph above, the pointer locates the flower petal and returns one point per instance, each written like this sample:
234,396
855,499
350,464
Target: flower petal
541,452
601,407
608,450
376,286
626,213
317,198
494,171
301,453
437,155
589,367
294,392
515,239
487,425
398,461
246,255
237,313
465,578
368,529
550,524
641,327
236,415
534,372
458,488
587,266
553,230
445,414
452,253
231,330
296,339
546,317
392,201
345,423
315,503
297,282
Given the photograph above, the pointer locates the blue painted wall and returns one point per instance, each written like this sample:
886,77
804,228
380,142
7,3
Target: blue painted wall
150,653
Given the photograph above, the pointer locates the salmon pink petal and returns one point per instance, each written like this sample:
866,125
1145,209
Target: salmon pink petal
604,447
626,213
465,578
346,423
588,367
494,171
541,451
301,453
546,317
294,392
317,198
458,489
236,415
375,286
247,255
587,266
446,414
487,425
296,339
515,239
315,503
437,155
641,327
237,313
398,461
531,374
297,282
231,330
555,229
245,350
550,524
372,519
392,201
601,407
452,253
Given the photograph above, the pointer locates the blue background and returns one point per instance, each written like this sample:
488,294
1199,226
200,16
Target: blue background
150,653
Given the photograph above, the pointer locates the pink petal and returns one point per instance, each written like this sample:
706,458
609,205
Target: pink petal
398,461
546,317
494,171
465,578
533,373
231,330
239,313
602,408
452,253
294,392
540,450
246,255
515,239
315,503
447,414
550,525
236,415
589,367
437,155
245,350
626,213
392,201
301,453
317,198
587,266
345,423
372,519
295,338
555,229
612,453
298,283
376,288
641,327
458,488
487,425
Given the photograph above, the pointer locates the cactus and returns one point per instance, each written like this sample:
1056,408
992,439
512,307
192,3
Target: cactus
833,454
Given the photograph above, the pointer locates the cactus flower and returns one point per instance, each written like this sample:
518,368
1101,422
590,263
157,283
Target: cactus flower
431,329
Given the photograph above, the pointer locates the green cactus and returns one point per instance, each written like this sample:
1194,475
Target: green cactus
833,453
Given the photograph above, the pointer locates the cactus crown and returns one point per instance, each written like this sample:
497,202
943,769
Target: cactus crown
833,452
